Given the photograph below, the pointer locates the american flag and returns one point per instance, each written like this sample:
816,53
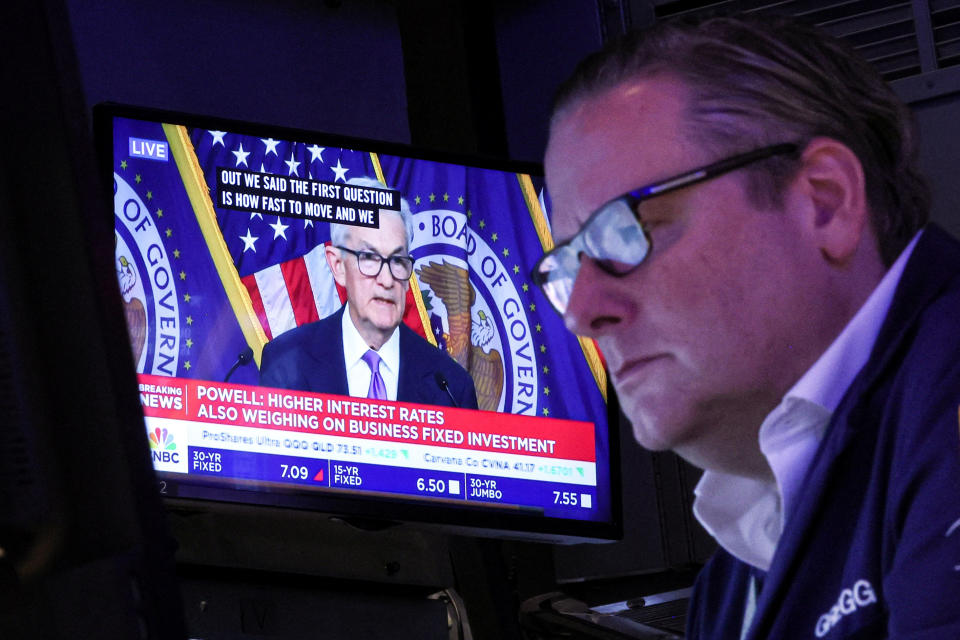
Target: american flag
280,259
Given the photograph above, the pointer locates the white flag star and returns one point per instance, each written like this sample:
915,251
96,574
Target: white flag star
316,153
292,165
218,137
279,229
307,223
241,155
256,215
248,242
271,146
340,171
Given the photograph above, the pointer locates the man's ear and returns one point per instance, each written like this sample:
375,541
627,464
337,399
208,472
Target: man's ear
336,264
831,176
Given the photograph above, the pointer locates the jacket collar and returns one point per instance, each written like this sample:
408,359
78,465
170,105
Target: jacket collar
934,264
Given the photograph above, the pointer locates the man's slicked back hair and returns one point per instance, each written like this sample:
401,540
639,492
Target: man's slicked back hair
758,80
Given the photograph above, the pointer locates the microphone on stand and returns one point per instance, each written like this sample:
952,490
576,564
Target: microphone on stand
442,382
245,356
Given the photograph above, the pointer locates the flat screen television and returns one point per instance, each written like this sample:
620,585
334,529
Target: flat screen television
220,235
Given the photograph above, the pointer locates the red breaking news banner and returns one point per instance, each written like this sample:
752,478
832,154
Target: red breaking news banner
296,411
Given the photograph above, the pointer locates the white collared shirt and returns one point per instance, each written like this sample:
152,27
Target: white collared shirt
358,373
747,516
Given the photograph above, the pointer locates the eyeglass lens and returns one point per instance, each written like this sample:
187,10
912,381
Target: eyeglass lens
370,264
613,238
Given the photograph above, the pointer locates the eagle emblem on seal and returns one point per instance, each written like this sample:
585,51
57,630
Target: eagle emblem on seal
133,309
468,339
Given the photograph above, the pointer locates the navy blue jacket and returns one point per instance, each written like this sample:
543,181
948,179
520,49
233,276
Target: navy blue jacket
872,549
310,358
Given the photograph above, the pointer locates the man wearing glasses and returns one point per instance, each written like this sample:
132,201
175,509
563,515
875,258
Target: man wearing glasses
742,227
364,350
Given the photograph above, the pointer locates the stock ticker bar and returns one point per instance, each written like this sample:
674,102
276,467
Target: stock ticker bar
338,474
353,444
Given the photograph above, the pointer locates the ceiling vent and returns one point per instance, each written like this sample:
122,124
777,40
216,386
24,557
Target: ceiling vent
902,38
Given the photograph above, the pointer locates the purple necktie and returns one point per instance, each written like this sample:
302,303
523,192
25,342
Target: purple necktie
377,390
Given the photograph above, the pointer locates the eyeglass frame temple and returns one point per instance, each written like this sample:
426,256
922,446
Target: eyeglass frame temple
692,177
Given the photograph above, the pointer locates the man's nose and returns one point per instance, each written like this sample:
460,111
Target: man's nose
594,306
385,277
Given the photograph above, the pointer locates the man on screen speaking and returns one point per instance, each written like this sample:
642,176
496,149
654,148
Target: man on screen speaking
364,350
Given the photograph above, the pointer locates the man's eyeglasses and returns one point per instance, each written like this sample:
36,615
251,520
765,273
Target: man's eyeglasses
615,237
370,263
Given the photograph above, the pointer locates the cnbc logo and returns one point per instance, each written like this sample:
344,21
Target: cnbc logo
162,446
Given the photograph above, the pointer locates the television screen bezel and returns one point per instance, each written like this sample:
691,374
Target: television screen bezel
369,511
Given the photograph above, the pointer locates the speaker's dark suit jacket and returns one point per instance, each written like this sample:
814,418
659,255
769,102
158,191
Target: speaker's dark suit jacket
310,358
872,548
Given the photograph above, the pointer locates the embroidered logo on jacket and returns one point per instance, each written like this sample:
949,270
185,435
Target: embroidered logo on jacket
954,527
851,599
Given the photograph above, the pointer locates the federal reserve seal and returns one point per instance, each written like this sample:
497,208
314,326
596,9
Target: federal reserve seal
475,310
146,284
